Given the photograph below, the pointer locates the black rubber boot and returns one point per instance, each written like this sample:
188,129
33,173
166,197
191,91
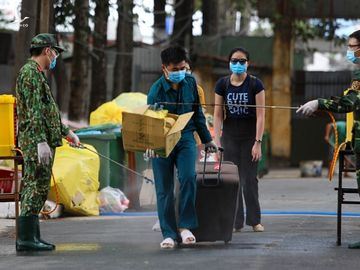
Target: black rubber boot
354,245
38,236
26,236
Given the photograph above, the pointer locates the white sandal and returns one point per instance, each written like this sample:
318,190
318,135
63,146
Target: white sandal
187,237
167,243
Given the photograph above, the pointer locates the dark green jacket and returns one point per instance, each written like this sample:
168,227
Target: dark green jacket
38,115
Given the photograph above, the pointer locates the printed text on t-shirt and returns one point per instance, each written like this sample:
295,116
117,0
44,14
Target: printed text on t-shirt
238,99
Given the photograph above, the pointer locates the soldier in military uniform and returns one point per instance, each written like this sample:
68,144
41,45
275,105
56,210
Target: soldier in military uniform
40,132
348,103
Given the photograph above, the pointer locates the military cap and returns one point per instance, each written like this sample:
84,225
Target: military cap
45,40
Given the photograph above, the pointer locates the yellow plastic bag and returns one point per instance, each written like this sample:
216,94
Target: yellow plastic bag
76,173
131,100
156,114
108,112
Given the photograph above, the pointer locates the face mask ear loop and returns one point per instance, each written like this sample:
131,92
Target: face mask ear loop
49,56
355,54
167,73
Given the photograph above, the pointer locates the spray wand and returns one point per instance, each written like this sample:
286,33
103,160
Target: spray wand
81,146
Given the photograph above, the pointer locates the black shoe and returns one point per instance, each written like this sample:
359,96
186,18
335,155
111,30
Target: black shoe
27,236
354,245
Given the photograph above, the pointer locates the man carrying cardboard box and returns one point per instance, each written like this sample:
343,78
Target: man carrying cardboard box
178,88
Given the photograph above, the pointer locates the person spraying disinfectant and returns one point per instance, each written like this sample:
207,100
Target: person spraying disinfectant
347,103
40,132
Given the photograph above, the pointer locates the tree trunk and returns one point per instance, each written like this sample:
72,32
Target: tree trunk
159,20
226,24
44,16
245,18
62,86
25,34
124,48
282,67
116,72
127,47
99,63
79,70
182,34
210,17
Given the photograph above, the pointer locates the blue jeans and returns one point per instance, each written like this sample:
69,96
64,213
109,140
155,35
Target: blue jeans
183,157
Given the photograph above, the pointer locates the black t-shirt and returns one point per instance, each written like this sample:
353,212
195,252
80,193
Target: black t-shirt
239,122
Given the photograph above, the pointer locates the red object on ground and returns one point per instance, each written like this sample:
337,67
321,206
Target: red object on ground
216,166
6,180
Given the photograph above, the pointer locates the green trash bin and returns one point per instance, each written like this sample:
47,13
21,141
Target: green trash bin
263,164
109,145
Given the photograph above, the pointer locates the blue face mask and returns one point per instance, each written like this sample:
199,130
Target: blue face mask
177,76
52,64
350,55
238,68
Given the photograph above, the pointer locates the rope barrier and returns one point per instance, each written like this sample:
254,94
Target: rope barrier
233,105
81,146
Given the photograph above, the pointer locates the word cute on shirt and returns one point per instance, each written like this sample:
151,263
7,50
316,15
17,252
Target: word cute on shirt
238,99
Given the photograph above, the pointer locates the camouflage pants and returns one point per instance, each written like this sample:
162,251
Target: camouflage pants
36,183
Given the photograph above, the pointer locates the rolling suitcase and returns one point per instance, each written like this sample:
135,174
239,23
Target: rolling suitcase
216,200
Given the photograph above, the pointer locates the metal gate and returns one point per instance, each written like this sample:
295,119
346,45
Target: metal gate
307,142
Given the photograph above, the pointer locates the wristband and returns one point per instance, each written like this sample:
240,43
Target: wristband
258,141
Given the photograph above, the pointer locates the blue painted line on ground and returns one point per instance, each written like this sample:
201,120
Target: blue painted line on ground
309,213
131,214
285,213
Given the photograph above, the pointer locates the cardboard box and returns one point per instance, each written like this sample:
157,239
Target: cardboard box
140,132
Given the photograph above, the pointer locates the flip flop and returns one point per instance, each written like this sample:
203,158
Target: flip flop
167,243
187,237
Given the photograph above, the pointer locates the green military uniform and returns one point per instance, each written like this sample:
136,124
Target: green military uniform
38,122
349,103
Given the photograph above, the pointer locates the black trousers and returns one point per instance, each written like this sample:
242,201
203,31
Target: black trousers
239,152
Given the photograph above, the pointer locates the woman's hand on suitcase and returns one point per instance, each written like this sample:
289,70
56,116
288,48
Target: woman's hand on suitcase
256,151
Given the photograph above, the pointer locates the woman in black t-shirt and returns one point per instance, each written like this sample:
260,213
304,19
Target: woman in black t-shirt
242,130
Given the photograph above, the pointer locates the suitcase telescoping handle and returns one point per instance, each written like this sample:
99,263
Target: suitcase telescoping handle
221,150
